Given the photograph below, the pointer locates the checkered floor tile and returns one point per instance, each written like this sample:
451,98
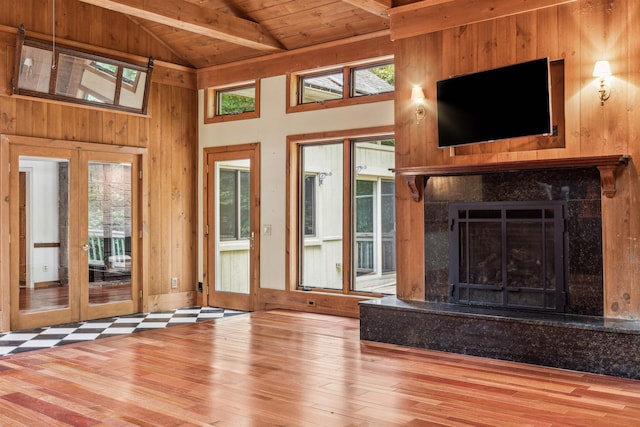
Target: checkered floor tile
53,336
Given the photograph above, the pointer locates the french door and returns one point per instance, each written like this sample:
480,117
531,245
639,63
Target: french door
77,254
232,225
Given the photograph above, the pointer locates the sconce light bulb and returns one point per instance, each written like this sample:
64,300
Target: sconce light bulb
417,95
602,70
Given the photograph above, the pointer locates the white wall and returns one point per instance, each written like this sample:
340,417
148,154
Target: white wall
43,203
271,131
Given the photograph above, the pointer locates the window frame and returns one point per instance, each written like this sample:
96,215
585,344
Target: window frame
295,80
211,97
295,187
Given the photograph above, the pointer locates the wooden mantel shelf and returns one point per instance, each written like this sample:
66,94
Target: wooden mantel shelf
417,176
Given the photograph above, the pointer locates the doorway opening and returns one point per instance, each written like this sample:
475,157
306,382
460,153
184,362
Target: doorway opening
232,226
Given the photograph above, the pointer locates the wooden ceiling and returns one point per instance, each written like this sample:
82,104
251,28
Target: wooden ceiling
203,33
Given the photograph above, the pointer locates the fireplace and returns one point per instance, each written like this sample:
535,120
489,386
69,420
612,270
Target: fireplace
508,254
513,267
527,240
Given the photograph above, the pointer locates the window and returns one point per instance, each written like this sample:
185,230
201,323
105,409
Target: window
234,204
373,79
64,74
321,87
328,240
237,102
346,85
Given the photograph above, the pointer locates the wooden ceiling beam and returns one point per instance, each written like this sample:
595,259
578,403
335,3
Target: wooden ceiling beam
377,7
189,17
429,16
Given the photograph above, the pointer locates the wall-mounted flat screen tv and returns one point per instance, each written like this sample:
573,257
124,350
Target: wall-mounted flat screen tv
506,102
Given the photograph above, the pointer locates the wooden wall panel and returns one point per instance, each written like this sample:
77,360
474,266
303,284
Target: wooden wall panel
155,174
415,70
631,87
178,221
165,192
569,30
579,33
189,199
172,198
621,130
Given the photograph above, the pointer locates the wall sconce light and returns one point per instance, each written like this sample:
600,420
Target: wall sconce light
602,70
322,176
417,96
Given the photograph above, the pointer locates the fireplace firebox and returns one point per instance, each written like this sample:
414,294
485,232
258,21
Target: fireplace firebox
508,254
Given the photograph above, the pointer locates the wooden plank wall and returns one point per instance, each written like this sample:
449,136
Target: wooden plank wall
169,133
579,33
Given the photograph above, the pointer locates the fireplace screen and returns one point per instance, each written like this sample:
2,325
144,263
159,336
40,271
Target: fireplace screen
508,254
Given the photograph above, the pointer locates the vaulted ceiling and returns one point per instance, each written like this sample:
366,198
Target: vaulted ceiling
211,32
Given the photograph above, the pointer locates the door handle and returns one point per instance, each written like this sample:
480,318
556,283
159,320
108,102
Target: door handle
85,248
253,238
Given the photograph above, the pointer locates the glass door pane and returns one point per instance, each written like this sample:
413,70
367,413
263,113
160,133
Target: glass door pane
44,234
322,213
109,232
374,262
233,234
43,216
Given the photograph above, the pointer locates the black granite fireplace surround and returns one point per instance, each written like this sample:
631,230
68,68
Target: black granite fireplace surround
578,188
578,338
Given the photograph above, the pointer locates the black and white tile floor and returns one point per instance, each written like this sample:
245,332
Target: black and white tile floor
53,336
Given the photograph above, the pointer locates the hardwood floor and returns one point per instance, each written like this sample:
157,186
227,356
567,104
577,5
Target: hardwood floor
281,368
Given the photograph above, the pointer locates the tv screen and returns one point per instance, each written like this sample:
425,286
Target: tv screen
501,103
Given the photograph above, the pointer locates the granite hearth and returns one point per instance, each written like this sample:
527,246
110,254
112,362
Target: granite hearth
576,342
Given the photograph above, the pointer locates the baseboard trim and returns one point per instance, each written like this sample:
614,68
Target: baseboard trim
311,302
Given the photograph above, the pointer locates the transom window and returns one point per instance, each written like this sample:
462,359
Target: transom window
352,252
371,80
321,87
236,102
345,85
